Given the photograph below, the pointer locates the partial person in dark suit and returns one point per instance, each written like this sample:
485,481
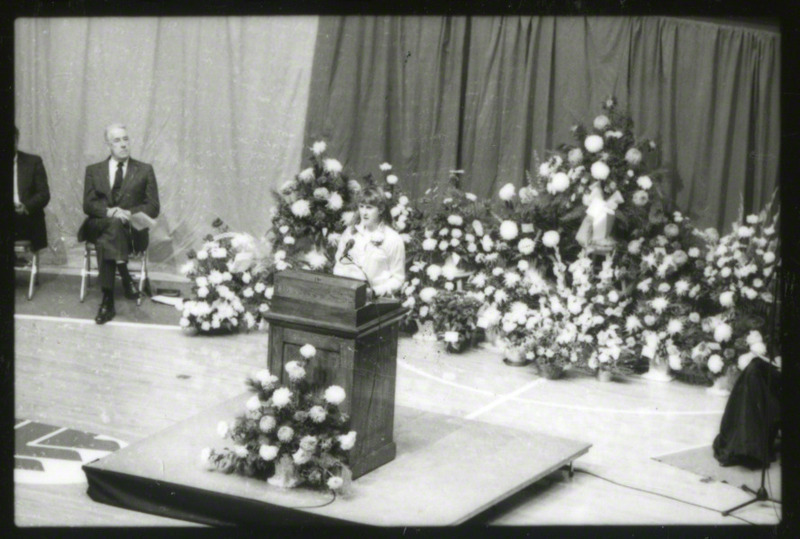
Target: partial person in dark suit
31,195
113,191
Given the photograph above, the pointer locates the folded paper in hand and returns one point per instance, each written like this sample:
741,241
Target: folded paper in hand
141,220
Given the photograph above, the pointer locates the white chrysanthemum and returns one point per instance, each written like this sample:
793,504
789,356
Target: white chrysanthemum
268,452
317,414
507,192
601,122
455,220
769,257
754,336
253,403
391,179
551,238
429,244
347,441
575,156
449,272
759,349
434,271
715,363
281,397
477,226
744,360
332,165
675,362
659,304
319,147
726,299
745,231
301,208
508,230
633,156
385,167
511,278
644,182
674,326
558,183
308,351
334,395
285,433
306,175
593,143
722,332
267,423
427,294
526,246
600,170
295,371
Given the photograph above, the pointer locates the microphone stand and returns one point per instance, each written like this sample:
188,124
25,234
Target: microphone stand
761,495
366,277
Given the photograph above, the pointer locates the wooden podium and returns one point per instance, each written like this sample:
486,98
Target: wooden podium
356,344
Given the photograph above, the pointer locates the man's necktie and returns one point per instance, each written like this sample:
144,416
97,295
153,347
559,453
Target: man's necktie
117,184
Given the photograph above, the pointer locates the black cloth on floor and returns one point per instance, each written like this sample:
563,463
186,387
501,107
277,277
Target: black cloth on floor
751,419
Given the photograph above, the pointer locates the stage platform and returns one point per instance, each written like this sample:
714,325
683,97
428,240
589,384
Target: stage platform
447,471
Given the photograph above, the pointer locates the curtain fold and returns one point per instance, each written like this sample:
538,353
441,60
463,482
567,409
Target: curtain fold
492,93
216,104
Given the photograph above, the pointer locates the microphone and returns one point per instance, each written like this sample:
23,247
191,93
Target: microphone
347,247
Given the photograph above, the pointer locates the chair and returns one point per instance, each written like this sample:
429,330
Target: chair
23,247
90,251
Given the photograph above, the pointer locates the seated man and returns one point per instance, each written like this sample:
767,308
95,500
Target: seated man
31,195
113,190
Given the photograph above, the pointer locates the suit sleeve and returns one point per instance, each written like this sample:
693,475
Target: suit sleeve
41,195
93,205
150,205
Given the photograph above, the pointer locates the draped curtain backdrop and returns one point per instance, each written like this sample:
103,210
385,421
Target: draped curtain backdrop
217,105
490,94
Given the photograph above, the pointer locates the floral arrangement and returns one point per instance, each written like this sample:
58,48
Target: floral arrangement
740,275
602,183
406,219
228,275
453,225
312,212
290,434
455,316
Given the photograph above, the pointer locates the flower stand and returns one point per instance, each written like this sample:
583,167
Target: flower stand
513,356
658,371
425,333
551,371
285,475
604,375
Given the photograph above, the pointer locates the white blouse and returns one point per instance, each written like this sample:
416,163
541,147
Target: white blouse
379,257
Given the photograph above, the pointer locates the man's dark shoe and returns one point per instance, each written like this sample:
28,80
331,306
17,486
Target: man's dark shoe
105,313
129,289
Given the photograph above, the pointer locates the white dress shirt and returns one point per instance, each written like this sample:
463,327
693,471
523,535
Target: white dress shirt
379,257
112,170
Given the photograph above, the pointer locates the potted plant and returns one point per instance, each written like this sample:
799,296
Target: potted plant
455,316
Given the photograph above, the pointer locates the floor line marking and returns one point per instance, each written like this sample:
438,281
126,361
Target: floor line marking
442,380
92,322
504,398
515,398
617,410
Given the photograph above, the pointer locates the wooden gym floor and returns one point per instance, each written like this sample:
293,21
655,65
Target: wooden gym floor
129,381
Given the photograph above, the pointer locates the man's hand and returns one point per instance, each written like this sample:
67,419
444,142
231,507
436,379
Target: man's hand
119,213
20,208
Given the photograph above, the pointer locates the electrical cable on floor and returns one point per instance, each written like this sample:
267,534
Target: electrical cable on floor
659,494
318,506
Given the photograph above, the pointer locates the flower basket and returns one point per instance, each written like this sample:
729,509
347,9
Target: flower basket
604,375
425,331
285,475
551,371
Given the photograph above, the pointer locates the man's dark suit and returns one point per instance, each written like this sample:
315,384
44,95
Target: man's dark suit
34,194
114,238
